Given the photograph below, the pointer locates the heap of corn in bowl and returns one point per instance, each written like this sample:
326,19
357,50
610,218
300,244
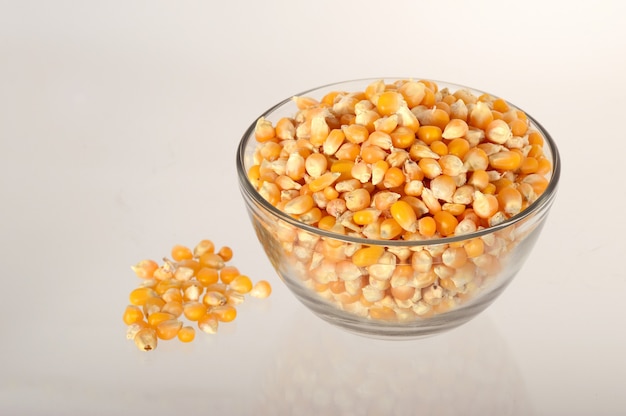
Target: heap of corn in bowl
397,207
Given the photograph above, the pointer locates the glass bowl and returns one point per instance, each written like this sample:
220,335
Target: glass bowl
396,288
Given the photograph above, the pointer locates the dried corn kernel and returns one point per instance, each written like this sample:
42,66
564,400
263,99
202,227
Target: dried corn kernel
401,161
189,288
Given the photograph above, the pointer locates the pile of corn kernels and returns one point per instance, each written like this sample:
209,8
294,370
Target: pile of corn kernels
197,285
398,161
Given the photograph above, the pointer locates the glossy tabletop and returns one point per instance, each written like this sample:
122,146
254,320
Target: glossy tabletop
119,123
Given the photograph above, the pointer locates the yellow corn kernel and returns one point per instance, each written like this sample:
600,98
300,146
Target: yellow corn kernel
393,178
261,289
326,223
404,214
146,339
153,304
366,216
241,284
270,151
374,89
304,102
417,204
429,134
489,189
355,133
295,166
485,205
382,313
180,252
455,129
506,160
362,172
380,139
474,247
439,147
164,285
445,222
518,127
139,296
535,138
451,165
194,310
214,298
480,116
379,168
427,226
509,200
211,261
226,253
413,93
207,276
218,287
357,199
529,165
270,192
319,130
538,182
311,217
389,102
299,205
254,175
535,151
371,153
498,131
390,229
402,137
285,129
316,164
208,323
367,256
192,291
454,257
132,314
225,313
323,181
264,130
168,329
173,307
436,117
443,187
458,147
544,167
476,159
429,97
333,142
158,317
479,179
134,328
452,208
145,269
443,105
186,334
430,167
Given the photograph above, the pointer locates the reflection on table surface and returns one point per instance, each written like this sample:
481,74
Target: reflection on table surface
318,370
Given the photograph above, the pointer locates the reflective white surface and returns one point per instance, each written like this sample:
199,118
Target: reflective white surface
118,128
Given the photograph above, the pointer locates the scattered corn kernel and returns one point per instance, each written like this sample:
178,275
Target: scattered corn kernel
261,289
186,334
132,314
197,285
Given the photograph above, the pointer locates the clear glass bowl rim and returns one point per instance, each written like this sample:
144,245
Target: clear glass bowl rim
543,202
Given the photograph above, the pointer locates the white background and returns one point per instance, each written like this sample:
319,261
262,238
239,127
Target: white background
118,128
